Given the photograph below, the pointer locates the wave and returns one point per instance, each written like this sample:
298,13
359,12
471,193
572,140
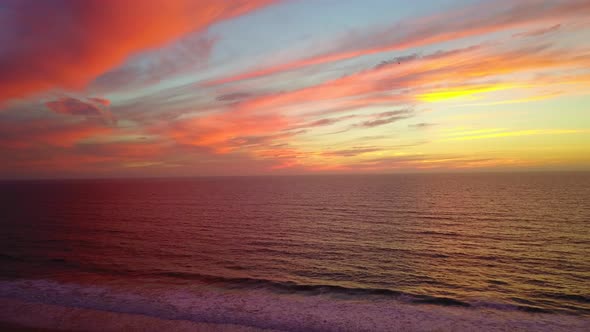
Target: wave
292,287
570,297
289,287
564,303
262,309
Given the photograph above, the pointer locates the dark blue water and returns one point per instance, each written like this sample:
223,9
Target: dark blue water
513,242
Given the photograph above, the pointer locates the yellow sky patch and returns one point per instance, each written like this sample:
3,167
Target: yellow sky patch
516,133
460,92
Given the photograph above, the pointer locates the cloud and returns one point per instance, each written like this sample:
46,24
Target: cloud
234,96
425,162
389,114
262,140
152,66
397,60
380,122
474,20
222,132
255,125
279,124
35,133
539,32
438,76
125,151
324,122
421,125
91,107
86,158
67,43
384,118
434,77
350,152
102,101
73,106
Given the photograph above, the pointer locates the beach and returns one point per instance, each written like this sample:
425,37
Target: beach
28,316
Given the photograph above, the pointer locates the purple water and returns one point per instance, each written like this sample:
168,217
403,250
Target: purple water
518,244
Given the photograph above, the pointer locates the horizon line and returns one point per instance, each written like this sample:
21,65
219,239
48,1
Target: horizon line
482,172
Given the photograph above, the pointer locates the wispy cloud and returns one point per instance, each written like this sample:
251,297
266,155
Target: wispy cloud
421,125
182,56
539,32
49,133
233,96
69,68
352,152
92,107
478,19
46,52
382,121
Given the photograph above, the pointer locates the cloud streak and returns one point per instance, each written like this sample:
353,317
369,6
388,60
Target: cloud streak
68,43
49,133
92,107
70,68
539,32
478,19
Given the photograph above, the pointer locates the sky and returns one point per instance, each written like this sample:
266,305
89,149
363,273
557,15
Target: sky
110,88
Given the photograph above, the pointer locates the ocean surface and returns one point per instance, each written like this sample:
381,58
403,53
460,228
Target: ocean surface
338,252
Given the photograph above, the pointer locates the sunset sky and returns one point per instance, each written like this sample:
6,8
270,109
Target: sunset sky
104,88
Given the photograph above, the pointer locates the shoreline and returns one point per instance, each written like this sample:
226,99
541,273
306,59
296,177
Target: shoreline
56,318
25,316
11,327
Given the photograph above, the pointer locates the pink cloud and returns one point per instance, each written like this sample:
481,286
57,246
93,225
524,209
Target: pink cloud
393,84
49,133
478,19
66,44
222,132
91,107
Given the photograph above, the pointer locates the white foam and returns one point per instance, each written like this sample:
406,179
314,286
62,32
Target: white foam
262,309
37,315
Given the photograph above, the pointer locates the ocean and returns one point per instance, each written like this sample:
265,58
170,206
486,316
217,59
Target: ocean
307,253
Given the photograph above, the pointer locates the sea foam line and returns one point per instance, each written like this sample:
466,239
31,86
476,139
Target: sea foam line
262,309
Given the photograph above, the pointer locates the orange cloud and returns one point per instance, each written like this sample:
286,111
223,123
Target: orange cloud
434,77
223,132
50,148
260,120
92,107
49,133
66,44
